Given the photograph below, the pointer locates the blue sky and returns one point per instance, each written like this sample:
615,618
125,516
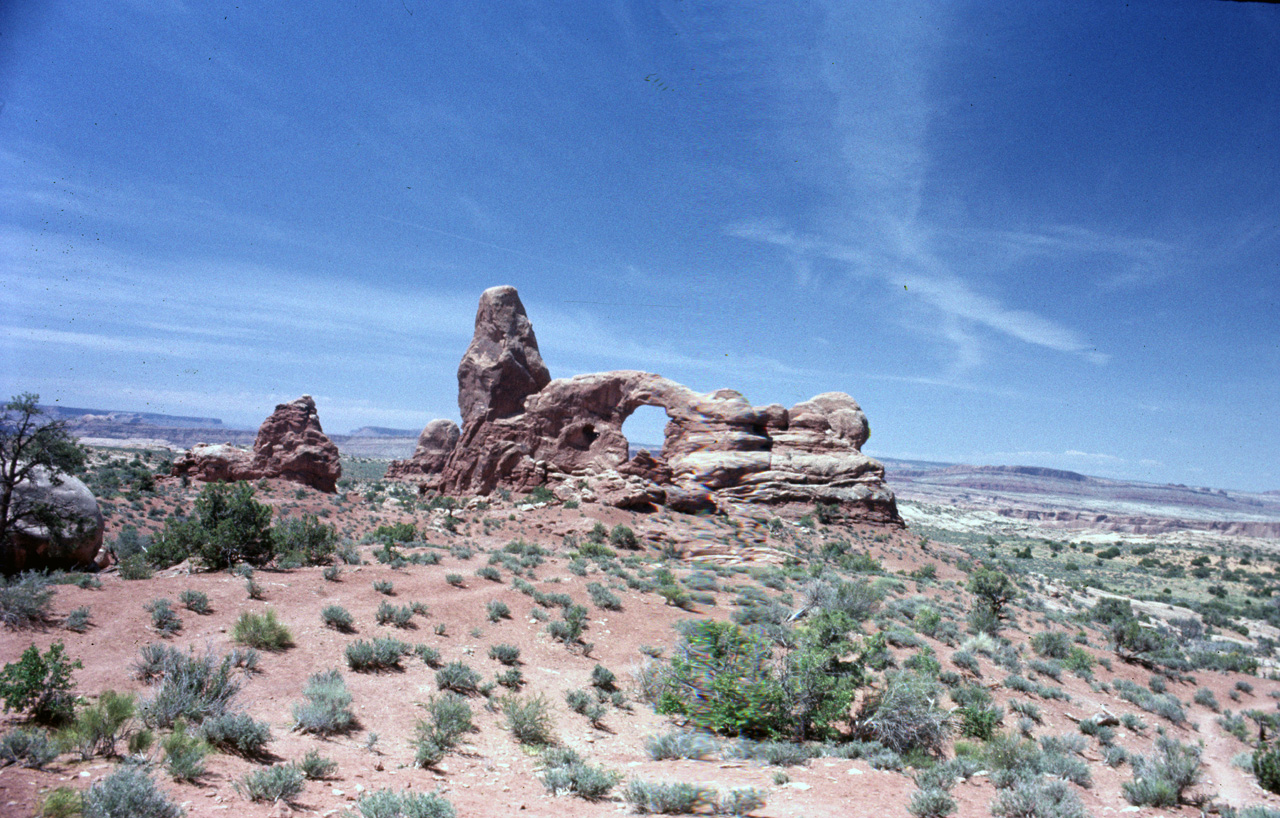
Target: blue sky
1026,233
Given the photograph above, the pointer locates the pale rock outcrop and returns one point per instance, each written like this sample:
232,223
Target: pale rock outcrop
290,445
73,541
520,431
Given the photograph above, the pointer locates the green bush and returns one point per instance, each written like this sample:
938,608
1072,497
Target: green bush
679,744
262,631
404,804
337,617
163,617
399,616
1162,778
384,586
195,601
623,537
305,539
603,598
931,803
40,685
184,754
27,747
506,654
667,798
450,717
498,610
228,527
904,716
529,720
188,687
565,772
25,600
236,733
63,802
380,654
458,677
1030,798
979,722
316,767
98,727
327,709
1052,644
279,782
993,591
1266,767
128,791
134,567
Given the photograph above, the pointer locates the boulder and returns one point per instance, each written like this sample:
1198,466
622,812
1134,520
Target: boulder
66,533
290,445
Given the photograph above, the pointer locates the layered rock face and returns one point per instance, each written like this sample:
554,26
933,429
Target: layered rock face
69,536
567,434
290,445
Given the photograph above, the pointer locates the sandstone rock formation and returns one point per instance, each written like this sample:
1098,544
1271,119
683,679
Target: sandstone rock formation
522,430
69,537
290,445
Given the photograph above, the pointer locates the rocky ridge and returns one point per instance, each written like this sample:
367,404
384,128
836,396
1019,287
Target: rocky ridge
522,430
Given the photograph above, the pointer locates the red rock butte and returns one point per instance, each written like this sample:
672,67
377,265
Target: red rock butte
521,430
290,445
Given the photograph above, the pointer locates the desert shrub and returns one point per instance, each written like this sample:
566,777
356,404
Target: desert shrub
400,616
262,631
27,747
279,782
25,600
332,573
903,716
774,753
380,654
498,610
666,797
134,567
236,733
489,572
163,617
564,772
511,677
98,727
1052,644
1265,763
305,540
456,580
1204,697
128,791
195,601
316,767
992,591
679,744
429,655
603,598
404,804
572,622
506,654
623,537
603,678
980,722
63,802
529,720
1162,778
184,754
40,684
384,586
1047,798
932,802
228,527
458,677
187,686
967,662
337,617
327,709
449,718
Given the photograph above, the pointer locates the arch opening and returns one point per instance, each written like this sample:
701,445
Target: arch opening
645,428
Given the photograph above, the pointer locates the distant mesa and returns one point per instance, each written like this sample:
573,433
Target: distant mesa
521,430
290,445
381,431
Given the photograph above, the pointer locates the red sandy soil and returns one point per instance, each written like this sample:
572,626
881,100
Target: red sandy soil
493,775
